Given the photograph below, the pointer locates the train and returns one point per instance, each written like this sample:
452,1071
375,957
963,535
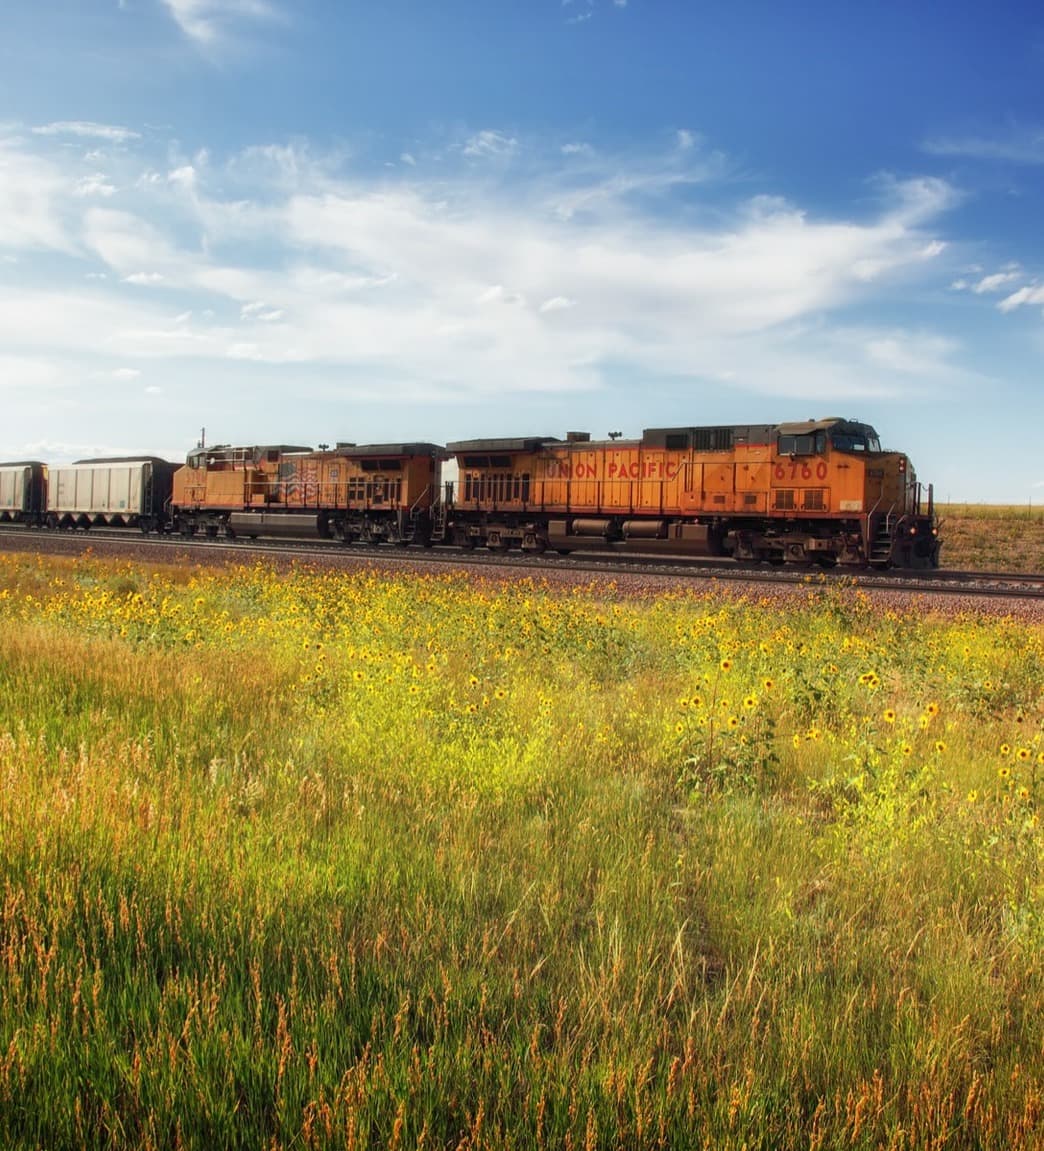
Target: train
816,492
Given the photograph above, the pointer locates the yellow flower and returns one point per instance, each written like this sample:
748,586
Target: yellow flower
726,664
972,796
679,728
1022,754
750,702
733,722
768,683
932,709
940,747
1005,749
1004,772
889,715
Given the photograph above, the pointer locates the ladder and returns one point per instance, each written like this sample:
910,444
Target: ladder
883,539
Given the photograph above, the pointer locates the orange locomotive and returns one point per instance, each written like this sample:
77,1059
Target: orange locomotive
818,491
373,492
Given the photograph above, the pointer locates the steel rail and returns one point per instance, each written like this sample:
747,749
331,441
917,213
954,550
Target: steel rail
935,581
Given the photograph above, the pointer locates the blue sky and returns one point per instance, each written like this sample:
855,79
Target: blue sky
318,221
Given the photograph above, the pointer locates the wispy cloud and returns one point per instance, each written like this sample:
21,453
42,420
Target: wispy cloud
477,283
32,193
1031,294
490,143
209,21
1021,145
87,129
995,282
94,185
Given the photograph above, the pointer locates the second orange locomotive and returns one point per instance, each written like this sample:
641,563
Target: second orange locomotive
374,493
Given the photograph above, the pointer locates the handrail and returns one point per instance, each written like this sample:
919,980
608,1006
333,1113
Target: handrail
417,501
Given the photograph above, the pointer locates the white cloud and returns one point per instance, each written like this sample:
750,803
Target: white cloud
259,310
1027,295
89,129
209,21
490,143
125,374
467,286
911,354
31,193
1020,145
995,282
408,158
94,185
29,372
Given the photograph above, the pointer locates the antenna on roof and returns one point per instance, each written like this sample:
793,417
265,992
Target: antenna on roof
202,438
615,435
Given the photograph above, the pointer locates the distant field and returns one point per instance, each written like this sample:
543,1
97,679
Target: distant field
992,537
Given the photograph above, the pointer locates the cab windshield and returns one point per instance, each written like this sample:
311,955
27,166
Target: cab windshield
813,444
855,440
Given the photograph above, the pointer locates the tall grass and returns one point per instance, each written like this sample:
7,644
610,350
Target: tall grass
992,537
316,860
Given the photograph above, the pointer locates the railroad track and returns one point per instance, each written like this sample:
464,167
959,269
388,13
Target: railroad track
936,582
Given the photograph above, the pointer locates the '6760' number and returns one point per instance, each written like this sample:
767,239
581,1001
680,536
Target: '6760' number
801,470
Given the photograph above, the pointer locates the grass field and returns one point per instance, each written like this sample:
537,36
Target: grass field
989,537
310,859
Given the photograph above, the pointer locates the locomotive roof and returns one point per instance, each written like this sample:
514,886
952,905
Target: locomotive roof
522,444
739,433
804,427
241,453
367,450
23,464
